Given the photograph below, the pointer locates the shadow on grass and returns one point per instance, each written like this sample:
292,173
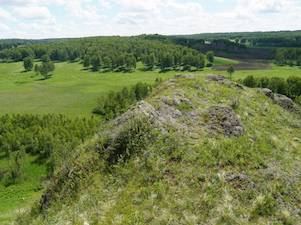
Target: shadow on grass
22,82
43,78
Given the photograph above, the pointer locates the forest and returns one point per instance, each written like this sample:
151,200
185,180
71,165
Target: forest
50,138
110,54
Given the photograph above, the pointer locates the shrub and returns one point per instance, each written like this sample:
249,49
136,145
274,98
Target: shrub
294,86
28,63
134,137
290,87
116,103
15,171
249,81
278,85
263,82
44,136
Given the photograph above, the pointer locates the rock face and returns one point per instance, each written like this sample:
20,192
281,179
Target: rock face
187,76
268,92
282,100
239,181
223,80
224,120
214,77
285,102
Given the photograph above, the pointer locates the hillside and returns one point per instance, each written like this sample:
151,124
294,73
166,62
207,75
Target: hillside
199,150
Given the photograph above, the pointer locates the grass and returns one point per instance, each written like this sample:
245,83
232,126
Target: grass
74,91
71,90
275,71
177,178
220,61
16,198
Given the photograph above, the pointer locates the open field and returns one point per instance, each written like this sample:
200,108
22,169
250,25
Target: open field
243,65
220,61
73,91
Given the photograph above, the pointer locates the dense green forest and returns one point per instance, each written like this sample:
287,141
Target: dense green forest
111,53
51,138
262,39
248,45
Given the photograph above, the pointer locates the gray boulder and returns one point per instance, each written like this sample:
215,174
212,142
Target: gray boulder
267,92
213,77
285,102
224,120
282,100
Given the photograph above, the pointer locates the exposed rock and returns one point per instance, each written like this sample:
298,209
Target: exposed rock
223,119
187,76
240,181
267,92
213,77
179,99
239,86
162,118
285,102
222,80
142,108
176,100
282,100
166,100
169,112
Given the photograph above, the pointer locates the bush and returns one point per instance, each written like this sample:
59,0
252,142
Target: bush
278,85
28,63
116,103
134,137
290,87
15,171
250,81
263,82
294,86
43,136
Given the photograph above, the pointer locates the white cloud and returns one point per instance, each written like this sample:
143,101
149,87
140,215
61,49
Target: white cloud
32,13
129,17
4,15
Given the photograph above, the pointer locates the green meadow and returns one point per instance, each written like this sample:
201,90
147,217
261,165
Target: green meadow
73,91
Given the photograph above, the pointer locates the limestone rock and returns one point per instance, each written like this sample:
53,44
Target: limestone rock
224,120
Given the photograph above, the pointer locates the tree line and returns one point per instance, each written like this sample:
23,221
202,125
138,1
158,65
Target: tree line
49,137
111,53
288,56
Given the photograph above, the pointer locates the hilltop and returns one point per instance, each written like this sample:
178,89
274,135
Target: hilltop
198,150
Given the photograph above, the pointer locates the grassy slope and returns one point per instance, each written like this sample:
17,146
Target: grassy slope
181,179
74,91
219,61
20,196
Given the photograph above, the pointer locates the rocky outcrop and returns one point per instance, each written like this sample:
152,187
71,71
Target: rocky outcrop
285,102
213,77
282,100
224,120
222,80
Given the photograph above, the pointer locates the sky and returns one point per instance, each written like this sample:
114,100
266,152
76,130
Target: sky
36,19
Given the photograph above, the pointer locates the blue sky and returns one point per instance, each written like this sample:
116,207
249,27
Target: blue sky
78,18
